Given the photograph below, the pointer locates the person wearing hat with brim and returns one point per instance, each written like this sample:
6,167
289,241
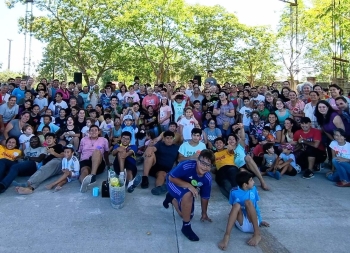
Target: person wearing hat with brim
129,126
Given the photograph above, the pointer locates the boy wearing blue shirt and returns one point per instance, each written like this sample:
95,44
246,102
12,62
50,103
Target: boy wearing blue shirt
245,212
185,182
130,127
125,158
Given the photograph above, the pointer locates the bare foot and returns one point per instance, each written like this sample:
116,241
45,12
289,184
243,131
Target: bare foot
24,190
264,186
49,186
254,241
58,188
223,243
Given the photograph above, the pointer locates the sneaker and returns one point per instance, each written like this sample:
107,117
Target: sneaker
135,182
85,183
308,174
145,183
159,190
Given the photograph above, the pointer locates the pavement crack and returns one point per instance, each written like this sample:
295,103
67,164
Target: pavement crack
177,238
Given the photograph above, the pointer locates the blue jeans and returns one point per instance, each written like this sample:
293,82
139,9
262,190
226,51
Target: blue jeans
155,130
14,169
343,170
225,133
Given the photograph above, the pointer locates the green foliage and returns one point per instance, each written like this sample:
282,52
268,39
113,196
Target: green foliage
6,74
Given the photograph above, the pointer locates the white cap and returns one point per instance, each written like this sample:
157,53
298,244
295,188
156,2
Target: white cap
127,117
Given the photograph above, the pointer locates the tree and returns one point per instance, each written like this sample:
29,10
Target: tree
210,33
154,27
84,32
256,57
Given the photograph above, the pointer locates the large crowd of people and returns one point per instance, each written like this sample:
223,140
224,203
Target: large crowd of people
183,135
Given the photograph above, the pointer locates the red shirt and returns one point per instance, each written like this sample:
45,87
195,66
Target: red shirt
151,100
313,135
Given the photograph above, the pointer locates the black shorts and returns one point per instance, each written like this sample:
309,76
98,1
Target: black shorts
156,168
88,163
244,167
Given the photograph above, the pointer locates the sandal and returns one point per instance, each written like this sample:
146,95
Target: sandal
343,184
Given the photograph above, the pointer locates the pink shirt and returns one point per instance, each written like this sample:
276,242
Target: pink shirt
163,112
135,96
88,146
65,93
152,100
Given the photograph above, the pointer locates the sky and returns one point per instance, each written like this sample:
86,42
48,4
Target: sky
249,12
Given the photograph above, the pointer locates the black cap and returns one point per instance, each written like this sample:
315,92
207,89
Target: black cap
304,120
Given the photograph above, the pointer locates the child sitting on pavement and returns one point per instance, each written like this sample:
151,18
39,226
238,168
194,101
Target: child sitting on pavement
245,212
285,163
269,162
70,169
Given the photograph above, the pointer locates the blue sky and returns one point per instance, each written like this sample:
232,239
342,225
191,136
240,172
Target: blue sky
250,12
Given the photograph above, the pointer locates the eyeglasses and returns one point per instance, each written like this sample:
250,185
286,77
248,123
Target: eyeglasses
205,164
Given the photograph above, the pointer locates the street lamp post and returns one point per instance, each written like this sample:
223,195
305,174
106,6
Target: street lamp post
9,56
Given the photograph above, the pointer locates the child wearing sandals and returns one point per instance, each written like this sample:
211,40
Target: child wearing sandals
245,212
70,169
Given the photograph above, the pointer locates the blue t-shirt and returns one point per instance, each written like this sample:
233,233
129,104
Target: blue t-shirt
237,195
239,156
212,134
130,129
166,155
18,93
187,150
186,171
131,158
53,127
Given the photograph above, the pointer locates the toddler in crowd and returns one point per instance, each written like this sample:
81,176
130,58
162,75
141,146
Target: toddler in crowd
269,161
106,126
245,112
186,124
85,130
41,135
266,137
70,169
24,138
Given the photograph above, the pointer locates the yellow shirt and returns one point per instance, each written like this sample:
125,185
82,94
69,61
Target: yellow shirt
10,154
223,158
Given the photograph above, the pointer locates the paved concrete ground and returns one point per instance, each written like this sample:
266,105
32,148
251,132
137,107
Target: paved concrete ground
305,216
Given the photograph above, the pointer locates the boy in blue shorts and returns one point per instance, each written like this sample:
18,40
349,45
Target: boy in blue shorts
245,212
185,182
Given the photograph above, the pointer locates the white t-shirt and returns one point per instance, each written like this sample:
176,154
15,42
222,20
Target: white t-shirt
25,139
135,96
245,111
72,165
309,112
341,151
187,150
55,107
189,92
259,98
106,127
41,102
5,97
188,125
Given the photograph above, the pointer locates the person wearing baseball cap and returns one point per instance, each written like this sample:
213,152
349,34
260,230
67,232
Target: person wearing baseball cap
313,152
129,126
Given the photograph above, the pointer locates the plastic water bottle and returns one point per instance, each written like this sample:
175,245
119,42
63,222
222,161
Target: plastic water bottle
111,174
121,178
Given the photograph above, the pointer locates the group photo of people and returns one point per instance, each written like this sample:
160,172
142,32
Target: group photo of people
183,134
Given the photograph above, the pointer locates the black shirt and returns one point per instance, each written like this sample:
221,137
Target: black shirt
58,148
60,122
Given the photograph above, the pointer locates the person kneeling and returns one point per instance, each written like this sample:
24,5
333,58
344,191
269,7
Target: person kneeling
125,158
245,212
183,183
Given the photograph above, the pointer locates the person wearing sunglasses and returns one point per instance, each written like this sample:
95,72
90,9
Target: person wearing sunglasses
184,183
